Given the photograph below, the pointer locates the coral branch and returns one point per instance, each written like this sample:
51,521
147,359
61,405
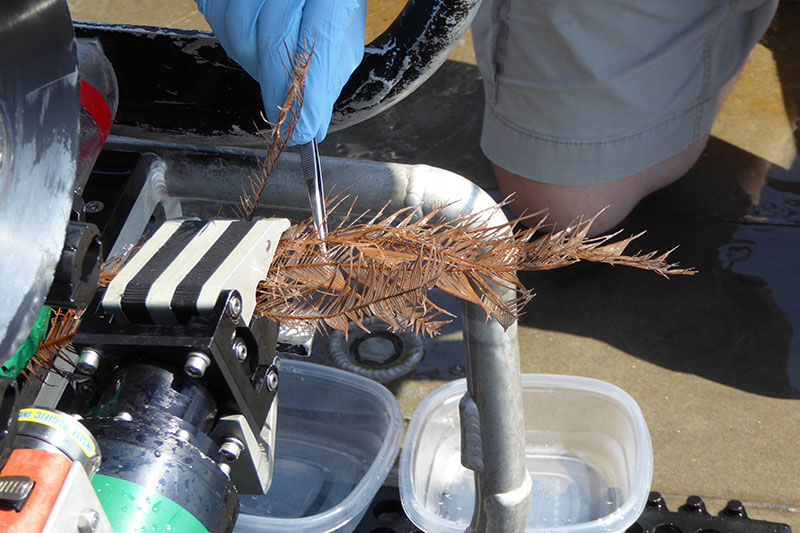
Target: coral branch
279,133
383,268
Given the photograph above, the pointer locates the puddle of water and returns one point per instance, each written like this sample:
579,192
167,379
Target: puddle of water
770,253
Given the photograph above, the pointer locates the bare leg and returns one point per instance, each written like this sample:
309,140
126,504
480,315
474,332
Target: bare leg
565,203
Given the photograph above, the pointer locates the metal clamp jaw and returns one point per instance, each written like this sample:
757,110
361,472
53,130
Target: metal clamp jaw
234,361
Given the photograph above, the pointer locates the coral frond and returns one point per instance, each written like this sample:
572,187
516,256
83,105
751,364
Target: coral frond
384,267
279,133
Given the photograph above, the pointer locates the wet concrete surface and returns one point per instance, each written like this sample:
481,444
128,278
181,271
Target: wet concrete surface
712,359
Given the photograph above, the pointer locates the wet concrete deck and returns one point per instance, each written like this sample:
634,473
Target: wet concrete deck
713,359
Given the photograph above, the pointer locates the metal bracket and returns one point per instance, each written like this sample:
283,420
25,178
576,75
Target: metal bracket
77,508
78,269
238,384
251,470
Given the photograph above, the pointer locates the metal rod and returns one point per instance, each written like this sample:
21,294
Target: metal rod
502,483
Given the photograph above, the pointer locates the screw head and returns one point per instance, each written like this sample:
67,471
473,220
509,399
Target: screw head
235,306
240,349
734,508
196,364
89,361
656,501
272,379
231,449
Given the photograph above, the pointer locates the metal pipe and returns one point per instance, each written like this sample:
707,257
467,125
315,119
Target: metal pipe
502,484
218,174
493,372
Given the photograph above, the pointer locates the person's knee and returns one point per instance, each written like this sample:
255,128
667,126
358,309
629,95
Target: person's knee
616,199
564,204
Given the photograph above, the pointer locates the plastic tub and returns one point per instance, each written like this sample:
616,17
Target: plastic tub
587,448
337,437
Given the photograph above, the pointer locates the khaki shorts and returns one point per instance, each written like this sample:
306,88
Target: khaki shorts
590,91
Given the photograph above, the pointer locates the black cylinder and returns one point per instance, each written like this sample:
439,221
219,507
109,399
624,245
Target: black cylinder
151,427
148,390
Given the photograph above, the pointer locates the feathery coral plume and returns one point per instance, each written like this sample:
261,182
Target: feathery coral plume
383,268
280,132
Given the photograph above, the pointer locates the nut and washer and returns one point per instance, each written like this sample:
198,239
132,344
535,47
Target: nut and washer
89,361
272,379
88,521
93,206
196,364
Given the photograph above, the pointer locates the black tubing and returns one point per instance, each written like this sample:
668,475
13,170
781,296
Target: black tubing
397,62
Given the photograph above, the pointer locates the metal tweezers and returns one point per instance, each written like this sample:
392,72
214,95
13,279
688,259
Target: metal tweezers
312,172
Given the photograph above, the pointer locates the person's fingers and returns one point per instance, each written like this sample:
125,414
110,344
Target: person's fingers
335,29
242,29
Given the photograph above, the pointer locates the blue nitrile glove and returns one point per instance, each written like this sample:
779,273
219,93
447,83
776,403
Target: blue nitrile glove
257,34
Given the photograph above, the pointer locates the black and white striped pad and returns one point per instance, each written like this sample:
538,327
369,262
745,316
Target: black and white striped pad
182,269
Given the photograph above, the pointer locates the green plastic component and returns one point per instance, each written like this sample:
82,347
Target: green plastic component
14,366
133,508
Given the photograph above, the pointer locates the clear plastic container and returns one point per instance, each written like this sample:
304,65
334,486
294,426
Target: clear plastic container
337,437
587,448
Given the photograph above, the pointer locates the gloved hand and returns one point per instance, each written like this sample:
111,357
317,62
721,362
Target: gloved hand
258,33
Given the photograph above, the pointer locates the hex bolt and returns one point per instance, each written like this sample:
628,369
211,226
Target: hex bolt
225,468
235,306
272,379
89,361
231,449
88,521
240,349
196,364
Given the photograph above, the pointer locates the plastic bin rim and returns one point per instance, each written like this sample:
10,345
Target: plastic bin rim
365,490
643,473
